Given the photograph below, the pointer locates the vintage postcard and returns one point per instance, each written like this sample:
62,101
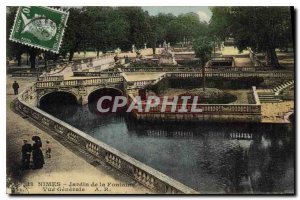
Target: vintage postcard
150,100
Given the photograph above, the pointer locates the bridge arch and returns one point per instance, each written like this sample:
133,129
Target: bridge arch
59,103
67,95
98,92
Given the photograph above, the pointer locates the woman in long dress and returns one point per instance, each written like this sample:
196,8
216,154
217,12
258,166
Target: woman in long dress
37,154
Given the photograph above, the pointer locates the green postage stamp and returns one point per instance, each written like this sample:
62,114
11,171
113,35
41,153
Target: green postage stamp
39,27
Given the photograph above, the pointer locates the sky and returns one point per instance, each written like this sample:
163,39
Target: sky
203,12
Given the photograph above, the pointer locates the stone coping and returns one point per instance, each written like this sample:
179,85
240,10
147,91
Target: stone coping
257,101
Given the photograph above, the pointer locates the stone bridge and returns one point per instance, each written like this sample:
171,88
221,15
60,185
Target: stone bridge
80,88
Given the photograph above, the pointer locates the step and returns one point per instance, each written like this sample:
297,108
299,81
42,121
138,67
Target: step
270,101
267,98
266,95
270,93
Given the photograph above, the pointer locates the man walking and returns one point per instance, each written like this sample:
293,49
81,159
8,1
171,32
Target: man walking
26,151
15,87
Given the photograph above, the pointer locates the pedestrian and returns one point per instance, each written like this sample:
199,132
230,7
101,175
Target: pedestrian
48,149
37,154
39,141
15,87
116,58
26,152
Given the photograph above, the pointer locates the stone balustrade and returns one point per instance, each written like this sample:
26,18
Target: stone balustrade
101,57
245,136
210,112
78,82
143,83
265,74
51,78
98,74
26,74
142,173
211,108
97,63
196,69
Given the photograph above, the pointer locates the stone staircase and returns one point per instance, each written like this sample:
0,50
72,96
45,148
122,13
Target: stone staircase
272,95
282,87
268,97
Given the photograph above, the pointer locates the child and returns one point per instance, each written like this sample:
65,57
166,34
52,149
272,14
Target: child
48,149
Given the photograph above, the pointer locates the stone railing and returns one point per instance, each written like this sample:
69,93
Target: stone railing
98,74
90,59
210,112
94,63
102,67
51,78
135,169
265,74
243,136
158,69
211,108
55,69
78,82
142,83
239,69
26,74
196,69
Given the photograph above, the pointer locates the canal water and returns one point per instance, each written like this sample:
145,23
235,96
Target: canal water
212,158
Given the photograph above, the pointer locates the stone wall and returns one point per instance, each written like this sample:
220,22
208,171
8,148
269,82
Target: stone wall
210,112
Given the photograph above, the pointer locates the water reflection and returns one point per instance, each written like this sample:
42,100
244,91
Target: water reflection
267,159
209,157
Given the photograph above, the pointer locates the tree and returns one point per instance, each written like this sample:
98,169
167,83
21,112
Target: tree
139,25
219,25
262,29
161,27
203,48
186,27
76,32
13,49
109,28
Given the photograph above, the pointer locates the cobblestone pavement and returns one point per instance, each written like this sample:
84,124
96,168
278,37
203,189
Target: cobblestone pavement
67,165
